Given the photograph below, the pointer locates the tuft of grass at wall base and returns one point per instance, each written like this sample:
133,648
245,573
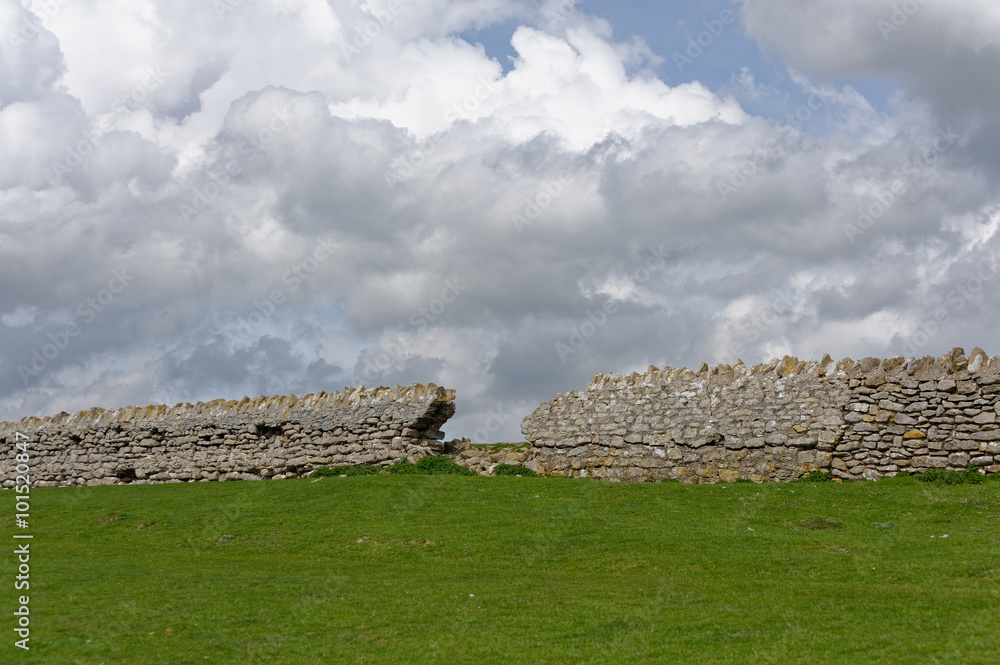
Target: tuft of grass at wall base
350,470
426,466
453,569
512,470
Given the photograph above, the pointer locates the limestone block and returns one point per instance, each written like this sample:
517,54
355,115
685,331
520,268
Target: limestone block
966,387
958,459
930,462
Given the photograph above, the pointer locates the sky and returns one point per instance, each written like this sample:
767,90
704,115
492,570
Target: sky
213,199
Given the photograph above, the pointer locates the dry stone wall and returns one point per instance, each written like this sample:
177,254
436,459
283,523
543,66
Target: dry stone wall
776,421
264,437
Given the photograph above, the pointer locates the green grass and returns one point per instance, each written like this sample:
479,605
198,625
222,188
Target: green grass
455,569
426,466
430,466
354,470
948,477
512,470
519,447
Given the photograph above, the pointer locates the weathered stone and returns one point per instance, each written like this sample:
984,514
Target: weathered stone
773,421
535,466
930,462
966,387
958,459
246,440
871,474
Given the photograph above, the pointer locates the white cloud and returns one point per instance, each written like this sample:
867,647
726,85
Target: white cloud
414,159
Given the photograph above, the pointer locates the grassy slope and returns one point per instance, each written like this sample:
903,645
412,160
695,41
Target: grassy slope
430,569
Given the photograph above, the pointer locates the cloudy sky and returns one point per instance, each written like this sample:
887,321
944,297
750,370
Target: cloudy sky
203,199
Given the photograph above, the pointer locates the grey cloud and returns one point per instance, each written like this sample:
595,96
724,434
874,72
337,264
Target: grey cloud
269,366
944,54
31,61
272,254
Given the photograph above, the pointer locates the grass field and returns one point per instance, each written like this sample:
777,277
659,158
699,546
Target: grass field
450,569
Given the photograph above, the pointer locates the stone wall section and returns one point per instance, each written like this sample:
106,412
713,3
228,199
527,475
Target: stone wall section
775,421
264,437
933,413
